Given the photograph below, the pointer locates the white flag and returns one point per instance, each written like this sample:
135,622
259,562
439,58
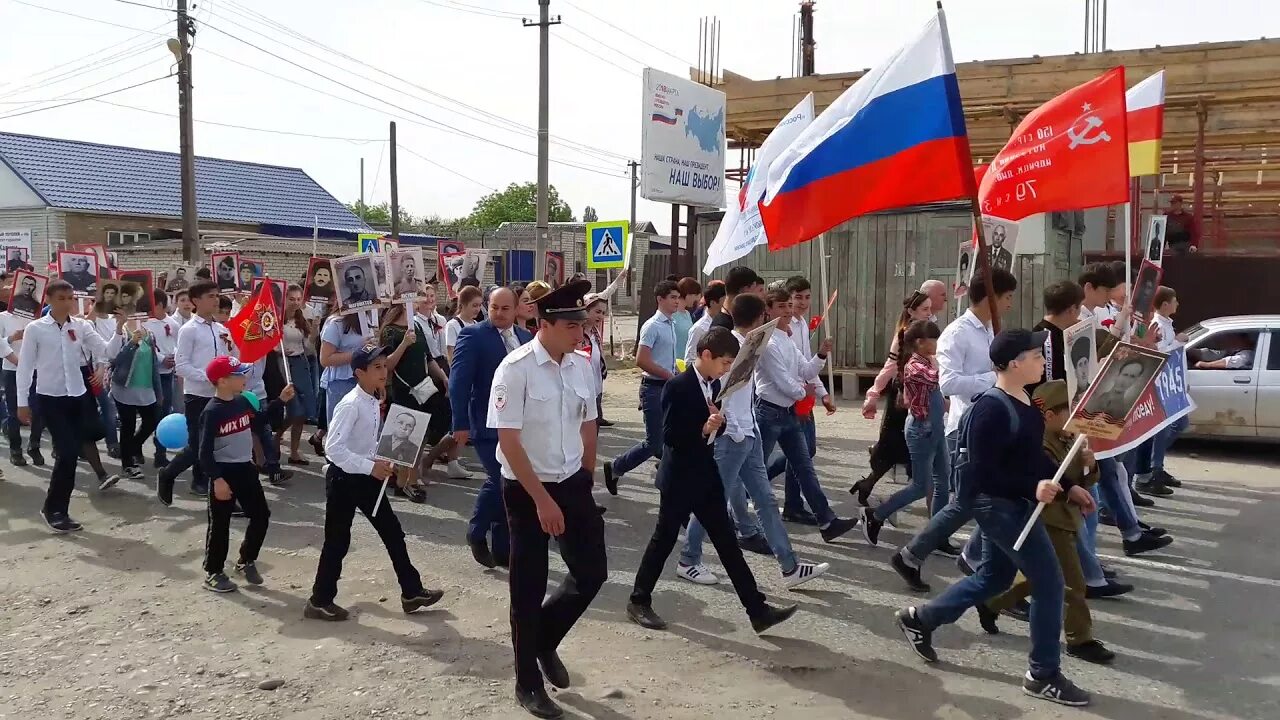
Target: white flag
741,230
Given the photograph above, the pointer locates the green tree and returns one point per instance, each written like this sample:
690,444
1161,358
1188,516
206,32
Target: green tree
518,203
589,214
379,215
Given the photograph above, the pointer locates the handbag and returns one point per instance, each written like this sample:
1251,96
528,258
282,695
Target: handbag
91,428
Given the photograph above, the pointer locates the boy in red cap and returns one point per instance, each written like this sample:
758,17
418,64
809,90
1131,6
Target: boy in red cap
227,426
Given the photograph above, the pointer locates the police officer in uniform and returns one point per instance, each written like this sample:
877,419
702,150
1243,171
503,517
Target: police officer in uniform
542,404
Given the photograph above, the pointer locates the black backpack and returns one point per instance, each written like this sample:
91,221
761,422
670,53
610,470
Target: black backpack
960,462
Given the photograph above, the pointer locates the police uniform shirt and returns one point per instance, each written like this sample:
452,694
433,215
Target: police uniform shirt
548,403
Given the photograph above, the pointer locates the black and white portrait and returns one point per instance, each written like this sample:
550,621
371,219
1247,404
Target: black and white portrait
1119,385
27,296
108,295
1081,358
134,285
407,273
250,270
450,267
964,269
1144,289
1155,238
278,289
179,278
754,346
81,270
1002,241
16,258
225,267
403,434
357,283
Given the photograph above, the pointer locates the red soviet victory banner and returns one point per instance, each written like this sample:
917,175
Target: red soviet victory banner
256,328
1071,153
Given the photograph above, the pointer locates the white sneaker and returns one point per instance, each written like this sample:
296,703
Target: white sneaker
455,471
803,573
698,574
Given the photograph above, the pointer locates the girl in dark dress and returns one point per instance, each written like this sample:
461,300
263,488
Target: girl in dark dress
409,366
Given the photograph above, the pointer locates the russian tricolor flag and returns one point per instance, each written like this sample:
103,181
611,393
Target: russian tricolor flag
895,138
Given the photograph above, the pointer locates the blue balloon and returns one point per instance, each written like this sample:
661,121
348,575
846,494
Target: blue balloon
172,431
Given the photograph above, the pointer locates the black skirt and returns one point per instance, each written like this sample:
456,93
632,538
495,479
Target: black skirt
891,447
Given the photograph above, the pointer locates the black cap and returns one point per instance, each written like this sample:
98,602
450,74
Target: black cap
363,357
1009,344
565,302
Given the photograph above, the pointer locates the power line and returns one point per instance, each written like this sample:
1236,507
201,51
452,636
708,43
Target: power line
628,33
86,56
143,5
80,100
83,69
71,94
244,127
412,152
593,54
85,17
474,10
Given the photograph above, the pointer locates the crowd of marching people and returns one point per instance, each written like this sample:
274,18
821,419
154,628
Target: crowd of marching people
975,420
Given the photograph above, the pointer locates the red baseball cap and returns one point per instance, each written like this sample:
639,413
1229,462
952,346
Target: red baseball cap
225,366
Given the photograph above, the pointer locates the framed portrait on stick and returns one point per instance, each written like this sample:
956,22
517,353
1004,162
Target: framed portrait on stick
1121,382
1079,344
753,347
403,434
319,291
134,285
80,269
357,283
407,273
26,298
1144,290
225,267
553,268
250,270
179,277
450,271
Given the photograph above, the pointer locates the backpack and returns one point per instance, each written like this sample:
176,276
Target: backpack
961,484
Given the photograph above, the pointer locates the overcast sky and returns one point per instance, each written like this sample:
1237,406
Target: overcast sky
476,52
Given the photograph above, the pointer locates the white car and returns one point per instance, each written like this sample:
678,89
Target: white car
1242,402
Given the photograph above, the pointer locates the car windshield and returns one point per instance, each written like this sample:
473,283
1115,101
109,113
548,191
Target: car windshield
1195,332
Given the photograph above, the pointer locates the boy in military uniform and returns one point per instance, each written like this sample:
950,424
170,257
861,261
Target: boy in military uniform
1063,521
543,405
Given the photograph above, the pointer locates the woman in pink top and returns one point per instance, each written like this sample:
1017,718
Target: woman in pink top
891,448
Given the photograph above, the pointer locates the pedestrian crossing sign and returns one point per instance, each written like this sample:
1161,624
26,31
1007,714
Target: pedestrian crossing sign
607,244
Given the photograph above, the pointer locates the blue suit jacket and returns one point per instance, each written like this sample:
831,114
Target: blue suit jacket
476,357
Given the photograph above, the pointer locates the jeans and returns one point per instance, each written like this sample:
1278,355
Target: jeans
741,466
780,426
246,491
107,411
490,514
1163,440
1001,520
337,390
651,446
944,523
928,446
164,407
1086,547
1113,487
792,498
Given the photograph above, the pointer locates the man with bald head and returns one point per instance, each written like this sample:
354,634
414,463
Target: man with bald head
481,348
937,292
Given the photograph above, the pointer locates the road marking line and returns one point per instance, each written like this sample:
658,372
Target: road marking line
1202,572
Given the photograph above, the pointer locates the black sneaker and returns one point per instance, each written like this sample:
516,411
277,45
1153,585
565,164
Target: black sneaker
1141,500
1106,518
113,452
134,472
37,458
1109,574
17,460
948,549
219,583
199,490
987,618
59,522
1021,611
645,617
1168,480
800,517
278,479
756,544
423,599
1058,689
1146,543
1092,651
871,526
610,480
910,575
250,573
1157,531
918,636
330,612
772,616
837,527
965,566
164,490
1111,589
604,423
1154,488
107,481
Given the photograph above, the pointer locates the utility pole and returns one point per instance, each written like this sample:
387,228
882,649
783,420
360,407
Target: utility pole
186,134
545,21
806,38
361,189
395,189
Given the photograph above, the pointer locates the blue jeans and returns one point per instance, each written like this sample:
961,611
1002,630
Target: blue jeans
651,446
338,389
945,522
165,406
928,447
792,498
780,426
1163,440
1086,547
107,412
1001,520
1113,488
490,513
742,470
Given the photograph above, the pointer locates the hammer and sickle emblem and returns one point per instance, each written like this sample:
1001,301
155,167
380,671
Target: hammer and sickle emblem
1084,136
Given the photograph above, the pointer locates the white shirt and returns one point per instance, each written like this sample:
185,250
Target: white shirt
352,439
199,342
1168,336
964,364
295,340
548,403
165,333
57,352
696,332
452,329
10,324
781,373
435,338
738,411
800,336
106,327
181,319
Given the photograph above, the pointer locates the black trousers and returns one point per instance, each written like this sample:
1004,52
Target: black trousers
704,498
193,406
538,627
66,442
246,490
133,435
14,430
346,494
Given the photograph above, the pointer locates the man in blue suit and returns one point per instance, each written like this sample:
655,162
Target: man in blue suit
481,347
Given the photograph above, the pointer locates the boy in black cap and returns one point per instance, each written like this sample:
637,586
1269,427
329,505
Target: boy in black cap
354,481
999,475
543,405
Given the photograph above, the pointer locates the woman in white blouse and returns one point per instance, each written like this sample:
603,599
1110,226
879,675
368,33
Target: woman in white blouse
469,300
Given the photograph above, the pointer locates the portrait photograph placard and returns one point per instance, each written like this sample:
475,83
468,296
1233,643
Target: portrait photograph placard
26,298
320,288
225,267
80,269
357,284
403,434
179,277
450,267
1079,343
248,271
134,285
278,290
408,273
753,347
1121,382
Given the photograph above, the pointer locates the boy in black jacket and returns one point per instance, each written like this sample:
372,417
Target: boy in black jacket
690,483
227,427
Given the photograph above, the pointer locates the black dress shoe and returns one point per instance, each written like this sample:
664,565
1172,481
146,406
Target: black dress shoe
1165,478
837,528
1157,531
772,616
1091,651
423,599
1020,611
987,618
800,517
37,458
1111,589
1154,488
645,617
480,551
605,423
1141,500
553,670
538,703
17,460
1145,543
756,544
610,480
